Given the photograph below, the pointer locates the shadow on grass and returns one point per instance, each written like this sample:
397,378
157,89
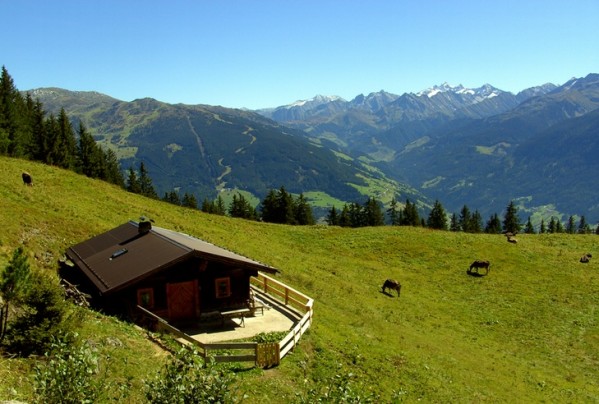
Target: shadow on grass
475,274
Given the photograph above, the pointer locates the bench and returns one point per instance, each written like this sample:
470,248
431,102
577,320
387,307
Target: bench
254,306
239,313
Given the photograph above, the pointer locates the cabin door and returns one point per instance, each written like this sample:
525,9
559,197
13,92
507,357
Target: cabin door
182,299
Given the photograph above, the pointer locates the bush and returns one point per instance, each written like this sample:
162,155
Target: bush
269,337
338,389
187,378
39,317
66,375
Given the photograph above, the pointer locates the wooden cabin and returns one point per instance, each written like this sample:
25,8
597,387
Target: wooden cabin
176,276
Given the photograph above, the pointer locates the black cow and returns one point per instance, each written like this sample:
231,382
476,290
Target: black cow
27,179
393,285
479,264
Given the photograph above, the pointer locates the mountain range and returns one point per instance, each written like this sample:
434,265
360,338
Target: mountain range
477,147
210,150
480,147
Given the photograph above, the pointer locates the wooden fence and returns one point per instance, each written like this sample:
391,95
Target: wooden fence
289,297
262,354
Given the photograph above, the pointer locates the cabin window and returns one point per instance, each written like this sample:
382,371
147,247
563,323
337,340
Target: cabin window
118,253
223,287
145,298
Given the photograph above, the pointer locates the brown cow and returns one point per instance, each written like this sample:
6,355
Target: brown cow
479,264
393,285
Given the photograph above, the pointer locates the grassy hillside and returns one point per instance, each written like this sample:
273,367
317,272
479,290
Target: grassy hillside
527,332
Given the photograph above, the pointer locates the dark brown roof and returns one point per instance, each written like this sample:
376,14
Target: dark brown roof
122,256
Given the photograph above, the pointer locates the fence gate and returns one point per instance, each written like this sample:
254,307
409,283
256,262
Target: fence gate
267,354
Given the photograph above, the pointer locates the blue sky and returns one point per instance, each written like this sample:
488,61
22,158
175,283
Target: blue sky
266,53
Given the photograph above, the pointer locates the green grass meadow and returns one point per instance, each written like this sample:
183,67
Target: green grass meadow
526,332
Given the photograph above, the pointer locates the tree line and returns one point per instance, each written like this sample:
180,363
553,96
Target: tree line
27,132
279,206
371,214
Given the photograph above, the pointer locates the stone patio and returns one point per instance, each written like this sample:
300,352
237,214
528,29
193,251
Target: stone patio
275,317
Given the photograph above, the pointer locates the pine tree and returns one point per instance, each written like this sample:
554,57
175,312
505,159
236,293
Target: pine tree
38,148
207,206
241,208
285,207
133,184
189,201
269,207
511,222
219,206
476,222
583,226
303,212
63,148
571,226
13,283
410,215
7,112
113,169
437,218
454,224
344,217
172,197
373,215
552,226
145,183
332,217
393,212
464,220
529,228
493,225
542,229
88,156
13,125
356,216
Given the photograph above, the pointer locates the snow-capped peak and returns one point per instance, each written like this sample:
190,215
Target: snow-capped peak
486,91
316,100
443,88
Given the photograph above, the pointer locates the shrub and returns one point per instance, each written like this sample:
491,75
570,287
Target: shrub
66,375
338,389
72,372
14,281
39,317
187,378
269,337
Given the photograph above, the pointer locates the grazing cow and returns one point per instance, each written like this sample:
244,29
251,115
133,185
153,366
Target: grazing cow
27,180
479,264
586,258
393,285
512,240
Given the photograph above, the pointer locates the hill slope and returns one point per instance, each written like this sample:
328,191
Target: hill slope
527,332
204,149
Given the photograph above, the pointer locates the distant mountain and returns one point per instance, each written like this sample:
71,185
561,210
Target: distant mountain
204,149
485,162
480,147
355,126
462,145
